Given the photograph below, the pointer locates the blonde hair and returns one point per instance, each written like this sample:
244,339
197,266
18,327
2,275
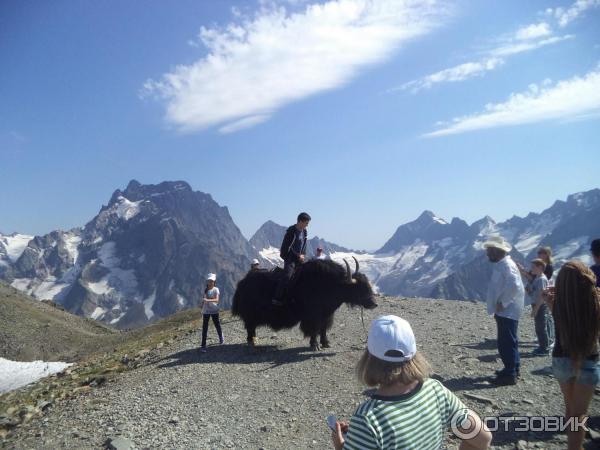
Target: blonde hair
373,371
539,262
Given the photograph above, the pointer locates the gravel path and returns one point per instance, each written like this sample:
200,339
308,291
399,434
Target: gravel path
278,395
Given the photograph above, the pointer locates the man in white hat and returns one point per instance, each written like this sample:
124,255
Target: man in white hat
254,265
505,299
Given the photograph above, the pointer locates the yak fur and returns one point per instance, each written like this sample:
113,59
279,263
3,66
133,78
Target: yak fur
317,289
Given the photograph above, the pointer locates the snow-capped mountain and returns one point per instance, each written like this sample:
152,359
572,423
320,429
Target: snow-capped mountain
267,241
144,256
11,248
146,253
431,257
567,227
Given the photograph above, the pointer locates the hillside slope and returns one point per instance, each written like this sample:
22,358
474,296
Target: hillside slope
32,330
278,395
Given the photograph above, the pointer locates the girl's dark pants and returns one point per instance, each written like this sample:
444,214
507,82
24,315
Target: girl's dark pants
205,319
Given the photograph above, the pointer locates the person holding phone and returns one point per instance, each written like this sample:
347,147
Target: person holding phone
408,410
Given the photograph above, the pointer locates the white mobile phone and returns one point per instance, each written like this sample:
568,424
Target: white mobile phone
331,420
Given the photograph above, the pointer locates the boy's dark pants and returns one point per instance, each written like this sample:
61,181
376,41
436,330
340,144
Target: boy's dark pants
284,279
205,319
542,327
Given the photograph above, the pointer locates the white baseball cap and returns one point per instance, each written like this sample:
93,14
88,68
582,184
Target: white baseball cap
211,276
391,339
255,261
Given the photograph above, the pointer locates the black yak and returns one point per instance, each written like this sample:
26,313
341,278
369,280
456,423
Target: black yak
315,292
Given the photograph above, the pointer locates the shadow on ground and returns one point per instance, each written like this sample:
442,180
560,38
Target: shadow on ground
469,383
486,344
491,344
242,354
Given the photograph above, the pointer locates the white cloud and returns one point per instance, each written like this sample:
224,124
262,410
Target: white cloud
533,31
512,48
568,99
566,16
453,74
255,67
246,122
527,38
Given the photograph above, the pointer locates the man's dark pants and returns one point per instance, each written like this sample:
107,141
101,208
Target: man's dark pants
508,344
288,270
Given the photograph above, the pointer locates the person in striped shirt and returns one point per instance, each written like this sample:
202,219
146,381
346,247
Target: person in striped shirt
408,410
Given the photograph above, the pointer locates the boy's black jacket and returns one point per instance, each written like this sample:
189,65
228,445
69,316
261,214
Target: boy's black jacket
286,251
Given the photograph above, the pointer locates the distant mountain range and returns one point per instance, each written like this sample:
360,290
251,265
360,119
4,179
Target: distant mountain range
144,256
146,253
268,237
430,257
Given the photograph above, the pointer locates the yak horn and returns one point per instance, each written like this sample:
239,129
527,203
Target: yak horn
357,266
348,273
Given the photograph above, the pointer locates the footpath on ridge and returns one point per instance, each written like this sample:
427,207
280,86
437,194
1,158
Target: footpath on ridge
277,395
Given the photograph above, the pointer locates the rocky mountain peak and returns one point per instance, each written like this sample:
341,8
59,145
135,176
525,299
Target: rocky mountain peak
268,235
427,217
144,256
426,227
586,200
135,191
484,226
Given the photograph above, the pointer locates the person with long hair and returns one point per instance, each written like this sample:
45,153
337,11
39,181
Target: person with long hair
408,410
210,309
545,254
576,311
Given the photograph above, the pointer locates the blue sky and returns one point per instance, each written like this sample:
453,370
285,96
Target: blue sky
363,113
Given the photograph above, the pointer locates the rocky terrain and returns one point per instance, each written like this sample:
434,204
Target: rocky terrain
277,395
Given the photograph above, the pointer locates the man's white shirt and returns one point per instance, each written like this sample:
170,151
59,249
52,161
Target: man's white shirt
506,287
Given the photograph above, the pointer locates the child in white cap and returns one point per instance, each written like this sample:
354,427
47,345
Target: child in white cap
210,308
408,410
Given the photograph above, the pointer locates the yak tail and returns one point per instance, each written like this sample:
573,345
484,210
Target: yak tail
235,305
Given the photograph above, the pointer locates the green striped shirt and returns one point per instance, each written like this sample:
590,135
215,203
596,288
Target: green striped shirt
417,420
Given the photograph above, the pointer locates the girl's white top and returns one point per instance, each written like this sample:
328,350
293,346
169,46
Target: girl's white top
209,307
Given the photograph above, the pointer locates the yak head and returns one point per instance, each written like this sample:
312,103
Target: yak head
360,292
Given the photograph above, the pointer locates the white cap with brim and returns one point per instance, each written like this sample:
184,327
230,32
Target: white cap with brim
255,261
497,242
391,339
211,276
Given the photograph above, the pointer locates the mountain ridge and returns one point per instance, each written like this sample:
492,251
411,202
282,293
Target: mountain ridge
143,256
145,253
